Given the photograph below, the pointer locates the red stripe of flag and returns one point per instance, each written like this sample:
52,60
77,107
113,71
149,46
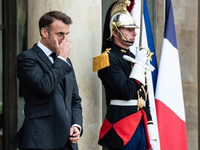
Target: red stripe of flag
171,128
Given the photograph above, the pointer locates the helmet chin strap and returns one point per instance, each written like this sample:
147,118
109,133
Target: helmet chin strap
129,42
123,37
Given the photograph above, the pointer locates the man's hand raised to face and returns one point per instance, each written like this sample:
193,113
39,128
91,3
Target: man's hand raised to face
63,48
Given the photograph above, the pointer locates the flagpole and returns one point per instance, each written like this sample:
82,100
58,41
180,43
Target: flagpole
141,21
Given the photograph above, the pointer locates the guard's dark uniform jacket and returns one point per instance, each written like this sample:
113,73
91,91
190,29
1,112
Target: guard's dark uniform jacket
115,131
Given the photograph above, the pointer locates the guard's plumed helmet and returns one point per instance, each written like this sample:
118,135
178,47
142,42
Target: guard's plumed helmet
120,17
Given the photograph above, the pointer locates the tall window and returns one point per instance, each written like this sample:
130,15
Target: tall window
12,41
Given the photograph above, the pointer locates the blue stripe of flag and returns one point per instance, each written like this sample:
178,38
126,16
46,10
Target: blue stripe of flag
170,32
150,42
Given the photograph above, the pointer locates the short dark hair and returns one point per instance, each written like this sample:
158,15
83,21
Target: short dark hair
48,18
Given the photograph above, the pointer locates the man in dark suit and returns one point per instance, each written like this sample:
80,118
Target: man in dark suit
53,112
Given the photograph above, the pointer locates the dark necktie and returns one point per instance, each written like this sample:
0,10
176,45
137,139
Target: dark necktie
53,55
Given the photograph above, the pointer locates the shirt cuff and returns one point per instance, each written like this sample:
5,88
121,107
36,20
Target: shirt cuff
76,125
64,60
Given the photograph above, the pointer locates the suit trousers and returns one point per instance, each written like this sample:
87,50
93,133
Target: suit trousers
66,147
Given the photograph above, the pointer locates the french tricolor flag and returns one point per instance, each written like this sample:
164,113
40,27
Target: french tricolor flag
168,94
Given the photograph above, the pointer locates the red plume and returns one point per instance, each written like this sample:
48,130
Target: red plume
131,6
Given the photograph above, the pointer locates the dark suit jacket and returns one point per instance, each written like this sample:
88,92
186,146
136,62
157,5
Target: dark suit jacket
50,107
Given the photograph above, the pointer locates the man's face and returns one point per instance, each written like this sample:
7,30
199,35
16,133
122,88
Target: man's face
129,34
58,30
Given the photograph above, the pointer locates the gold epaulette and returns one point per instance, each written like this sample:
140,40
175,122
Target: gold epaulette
101,61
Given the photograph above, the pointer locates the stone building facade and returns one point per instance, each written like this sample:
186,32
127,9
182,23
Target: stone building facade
85,41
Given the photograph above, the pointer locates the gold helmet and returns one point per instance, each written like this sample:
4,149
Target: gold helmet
120,17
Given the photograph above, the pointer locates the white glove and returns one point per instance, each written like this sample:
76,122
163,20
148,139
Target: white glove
153,144
143,61
138,70
152,132
152,135
141,55
138,73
